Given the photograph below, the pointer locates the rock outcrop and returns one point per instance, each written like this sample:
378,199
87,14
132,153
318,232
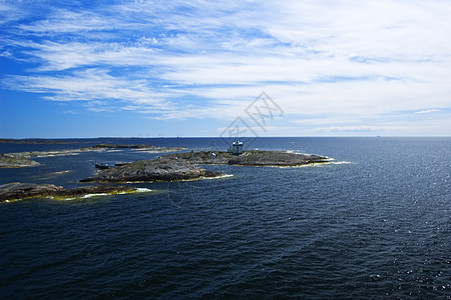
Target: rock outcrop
13,161
249,158
17,190
23,159
276,158
163,169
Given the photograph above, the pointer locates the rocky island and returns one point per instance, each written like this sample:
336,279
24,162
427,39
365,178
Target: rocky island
163,169
13,161
183,166
23,159
255,158
18,191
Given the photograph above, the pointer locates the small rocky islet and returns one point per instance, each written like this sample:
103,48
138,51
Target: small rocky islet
18,191
162,169
254,158
16,160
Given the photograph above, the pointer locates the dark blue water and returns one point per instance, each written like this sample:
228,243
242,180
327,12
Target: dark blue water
377,227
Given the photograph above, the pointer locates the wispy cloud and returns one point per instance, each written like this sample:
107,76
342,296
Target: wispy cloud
202,59
427,111
89,85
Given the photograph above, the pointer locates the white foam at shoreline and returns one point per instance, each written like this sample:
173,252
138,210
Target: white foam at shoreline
143,190
217,177
208,178
329,162
93,195
87,196
339,163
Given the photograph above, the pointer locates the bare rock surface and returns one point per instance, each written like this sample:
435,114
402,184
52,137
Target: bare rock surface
250,158
163,169
12,161
17,190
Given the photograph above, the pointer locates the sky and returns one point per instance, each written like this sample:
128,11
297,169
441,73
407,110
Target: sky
195,68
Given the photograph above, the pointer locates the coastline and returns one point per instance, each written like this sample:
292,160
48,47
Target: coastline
16,191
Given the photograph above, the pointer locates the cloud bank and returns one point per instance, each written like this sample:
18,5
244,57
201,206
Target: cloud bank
334,67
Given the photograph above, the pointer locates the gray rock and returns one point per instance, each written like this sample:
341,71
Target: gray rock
249,158
12,161
151,170
17,190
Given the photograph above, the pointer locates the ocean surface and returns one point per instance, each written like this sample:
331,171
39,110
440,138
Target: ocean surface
374,224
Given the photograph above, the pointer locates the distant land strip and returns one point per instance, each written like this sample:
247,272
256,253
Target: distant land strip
39,141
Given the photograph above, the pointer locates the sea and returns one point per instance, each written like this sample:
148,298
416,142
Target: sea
373,223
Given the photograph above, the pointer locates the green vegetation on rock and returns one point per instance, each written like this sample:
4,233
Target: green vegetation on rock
17,191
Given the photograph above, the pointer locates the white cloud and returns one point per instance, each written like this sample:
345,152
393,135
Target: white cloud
343,60
9,12
427,111
89,85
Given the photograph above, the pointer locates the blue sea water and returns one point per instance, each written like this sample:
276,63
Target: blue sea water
374,225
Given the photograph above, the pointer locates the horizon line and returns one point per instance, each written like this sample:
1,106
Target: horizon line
217,137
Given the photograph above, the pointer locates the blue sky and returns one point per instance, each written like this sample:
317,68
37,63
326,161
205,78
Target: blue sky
191,68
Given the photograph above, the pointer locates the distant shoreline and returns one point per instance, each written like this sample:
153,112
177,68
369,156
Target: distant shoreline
23,159
40,141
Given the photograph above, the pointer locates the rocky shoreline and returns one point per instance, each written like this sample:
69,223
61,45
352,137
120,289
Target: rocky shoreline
255,158
162,169
19,191
12,161
23,159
